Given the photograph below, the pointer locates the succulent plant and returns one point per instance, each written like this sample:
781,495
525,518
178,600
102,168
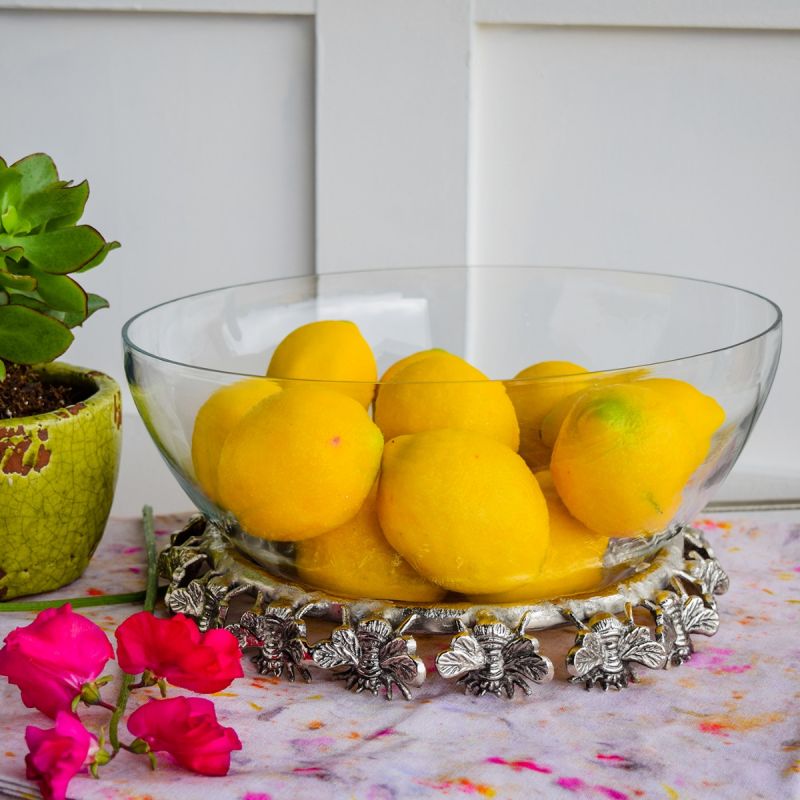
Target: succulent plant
41,244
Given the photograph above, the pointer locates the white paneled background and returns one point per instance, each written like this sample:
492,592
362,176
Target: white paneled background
232,141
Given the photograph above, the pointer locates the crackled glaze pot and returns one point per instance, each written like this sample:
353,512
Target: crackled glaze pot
57,476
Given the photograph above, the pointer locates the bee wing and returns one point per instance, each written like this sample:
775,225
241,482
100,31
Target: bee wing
393,658
586,656
520,655
698,618
465,655
636,645
340,650
243,636
190,600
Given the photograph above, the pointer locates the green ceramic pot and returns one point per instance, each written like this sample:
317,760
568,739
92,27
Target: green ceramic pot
57,476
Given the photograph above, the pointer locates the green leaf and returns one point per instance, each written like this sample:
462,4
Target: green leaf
29,300
101,256
14,252
13,222
60,206
37,171
95,303
30,337
25,283
61,292
10,189
4,298
2,371
60,251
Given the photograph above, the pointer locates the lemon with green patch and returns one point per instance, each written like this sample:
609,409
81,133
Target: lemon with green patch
622,458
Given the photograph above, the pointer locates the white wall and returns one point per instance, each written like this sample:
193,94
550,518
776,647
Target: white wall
230,140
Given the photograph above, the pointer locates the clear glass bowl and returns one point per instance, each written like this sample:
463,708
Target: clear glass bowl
622,462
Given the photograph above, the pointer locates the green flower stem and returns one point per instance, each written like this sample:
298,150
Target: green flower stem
148,524
151,593
76,602
119,710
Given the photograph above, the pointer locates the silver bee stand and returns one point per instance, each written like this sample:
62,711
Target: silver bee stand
372,648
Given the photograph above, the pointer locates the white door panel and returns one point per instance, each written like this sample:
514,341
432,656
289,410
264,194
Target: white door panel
648,149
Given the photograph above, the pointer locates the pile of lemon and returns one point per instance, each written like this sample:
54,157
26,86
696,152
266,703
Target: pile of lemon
437,479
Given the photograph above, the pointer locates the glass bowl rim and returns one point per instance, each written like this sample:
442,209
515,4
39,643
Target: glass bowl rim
775,324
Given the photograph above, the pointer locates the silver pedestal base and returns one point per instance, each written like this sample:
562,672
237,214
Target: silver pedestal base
492,651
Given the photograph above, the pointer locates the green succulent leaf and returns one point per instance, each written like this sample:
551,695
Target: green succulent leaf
61,251
29,300
95,303
40,244
59,206
25,283
10,191
37,171
61,292
11,251
30,337
13,222
100,257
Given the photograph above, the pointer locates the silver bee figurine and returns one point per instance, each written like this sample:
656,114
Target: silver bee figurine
605,647
185,556
707,575
678,615
202,599
279,633
695,541
373,654
492,658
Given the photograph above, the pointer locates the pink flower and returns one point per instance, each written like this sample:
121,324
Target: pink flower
176,650
58,754
53,657
187,729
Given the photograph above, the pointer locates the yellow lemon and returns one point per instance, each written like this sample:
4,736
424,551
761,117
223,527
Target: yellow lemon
622,458
553,420
402,363
215,420
444,391
703,413
330,350
544,385
299,463
463,510
355,560
573,563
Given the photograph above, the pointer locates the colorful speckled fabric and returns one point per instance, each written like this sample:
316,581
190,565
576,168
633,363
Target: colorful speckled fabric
725,725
